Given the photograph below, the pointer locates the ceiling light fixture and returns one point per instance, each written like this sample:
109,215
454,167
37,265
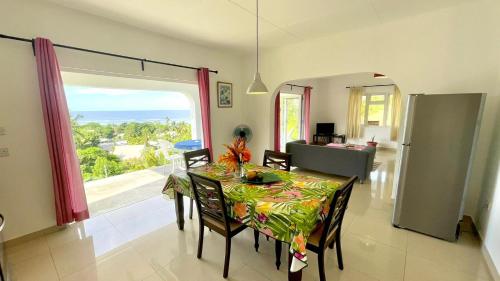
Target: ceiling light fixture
257,87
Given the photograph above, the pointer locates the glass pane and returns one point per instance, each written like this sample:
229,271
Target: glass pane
291,121
375,114
377,97
362,111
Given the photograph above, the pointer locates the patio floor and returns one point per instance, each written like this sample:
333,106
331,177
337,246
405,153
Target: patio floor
115,192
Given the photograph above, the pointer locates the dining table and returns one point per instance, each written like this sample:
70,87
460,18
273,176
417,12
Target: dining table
288,210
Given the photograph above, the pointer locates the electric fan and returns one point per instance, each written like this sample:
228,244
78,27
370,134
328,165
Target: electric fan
243,131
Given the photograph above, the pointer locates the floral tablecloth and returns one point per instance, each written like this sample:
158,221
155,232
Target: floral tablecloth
289,210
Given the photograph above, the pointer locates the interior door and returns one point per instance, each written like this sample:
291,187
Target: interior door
438,155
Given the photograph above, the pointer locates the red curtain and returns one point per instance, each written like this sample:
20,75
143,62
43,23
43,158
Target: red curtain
277,135
204,89
70,201
307,113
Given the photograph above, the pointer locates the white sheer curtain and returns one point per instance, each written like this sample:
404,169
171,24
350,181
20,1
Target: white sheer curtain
354,113
395,114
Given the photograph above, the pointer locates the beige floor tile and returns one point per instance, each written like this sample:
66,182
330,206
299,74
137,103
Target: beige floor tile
79,254
420,269
335,274
38,268
377,226
464,255
189,268
27,250
154,277
162,246
79,231
372,258
347,222
125,264
248,274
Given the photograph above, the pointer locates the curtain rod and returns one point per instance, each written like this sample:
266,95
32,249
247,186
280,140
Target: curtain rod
293,85
368,86
142,61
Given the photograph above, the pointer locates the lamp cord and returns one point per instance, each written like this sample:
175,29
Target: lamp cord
257,1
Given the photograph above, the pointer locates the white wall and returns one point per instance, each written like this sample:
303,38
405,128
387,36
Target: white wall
489,203
26,197
452,50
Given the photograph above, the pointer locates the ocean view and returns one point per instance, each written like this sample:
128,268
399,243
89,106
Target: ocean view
118,117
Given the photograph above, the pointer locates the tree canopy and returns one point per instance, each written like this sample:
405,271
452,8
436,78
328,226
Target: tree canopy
96,162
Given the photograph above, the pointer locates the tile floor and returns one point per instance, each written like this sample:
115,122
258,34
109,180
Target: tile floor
141,242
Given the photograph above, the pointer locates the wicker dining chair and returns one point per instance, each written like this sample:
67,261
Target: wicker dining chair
212,213
281,161
193,159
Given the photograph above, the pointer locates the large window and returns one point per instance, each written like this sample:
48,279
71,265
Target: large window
129,135
291,118
375,109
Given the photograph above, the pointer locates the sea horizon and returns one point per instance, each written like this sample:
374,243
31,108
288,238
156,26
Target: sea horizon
127,116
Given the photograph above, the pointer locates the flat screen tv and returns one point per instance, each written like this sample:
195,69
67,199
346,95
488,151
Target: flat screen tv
325,129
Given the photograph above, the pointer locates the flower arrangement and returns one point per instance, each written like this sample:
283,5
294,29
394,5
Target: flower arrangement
236,155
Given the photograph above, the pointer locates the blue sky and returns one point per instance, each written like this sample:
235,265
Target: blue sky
100,99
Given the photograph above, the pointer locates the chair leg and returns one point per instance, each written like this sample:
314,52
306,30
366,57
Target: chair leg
200,239
331,245
277,250
339,253
321,265
256,238
191,209
226,259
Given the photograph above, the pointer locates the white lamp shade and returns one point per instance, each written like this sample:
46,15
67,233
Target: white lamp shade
257,87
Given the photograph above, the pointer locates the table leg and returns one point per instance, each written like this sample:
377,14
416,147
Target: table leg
179,209
293,276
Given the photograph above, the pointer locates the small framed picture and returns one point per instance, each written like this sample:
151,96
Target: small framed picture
224,94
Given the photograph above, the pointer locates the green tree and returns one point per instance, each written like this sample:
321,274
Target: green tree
151,158
96,163
139,133
88,160
292,107
175,132
104,167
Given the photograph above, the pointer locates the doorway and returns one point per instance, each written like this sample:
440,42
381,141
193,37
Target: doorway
129,135
291,116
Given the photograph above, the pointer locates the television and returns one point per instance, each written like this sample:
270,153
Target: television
325,129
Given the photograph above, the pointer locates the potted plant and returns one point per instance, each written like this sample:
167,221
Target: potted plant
372,143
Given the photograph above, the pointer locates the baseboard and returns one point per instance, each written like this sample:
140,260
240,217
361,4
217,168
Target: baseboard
489,262
22,239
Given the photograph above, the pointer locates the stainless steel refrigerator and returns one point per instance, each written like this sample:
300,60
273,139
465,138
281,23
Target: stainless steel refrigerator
440,134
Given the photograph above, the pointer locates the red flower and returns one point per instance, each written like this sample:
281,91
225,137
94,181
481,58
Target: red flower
236,152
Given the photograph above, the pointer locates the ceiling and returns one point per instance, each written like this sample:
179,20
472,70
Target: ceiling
231,23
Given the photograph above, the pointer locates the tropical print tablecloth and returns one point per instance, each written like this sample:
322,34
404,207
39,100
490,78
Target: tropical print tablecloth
288,210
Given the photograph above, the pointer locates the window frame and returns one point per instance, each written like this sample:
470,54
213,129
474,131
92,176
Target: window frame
385,102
